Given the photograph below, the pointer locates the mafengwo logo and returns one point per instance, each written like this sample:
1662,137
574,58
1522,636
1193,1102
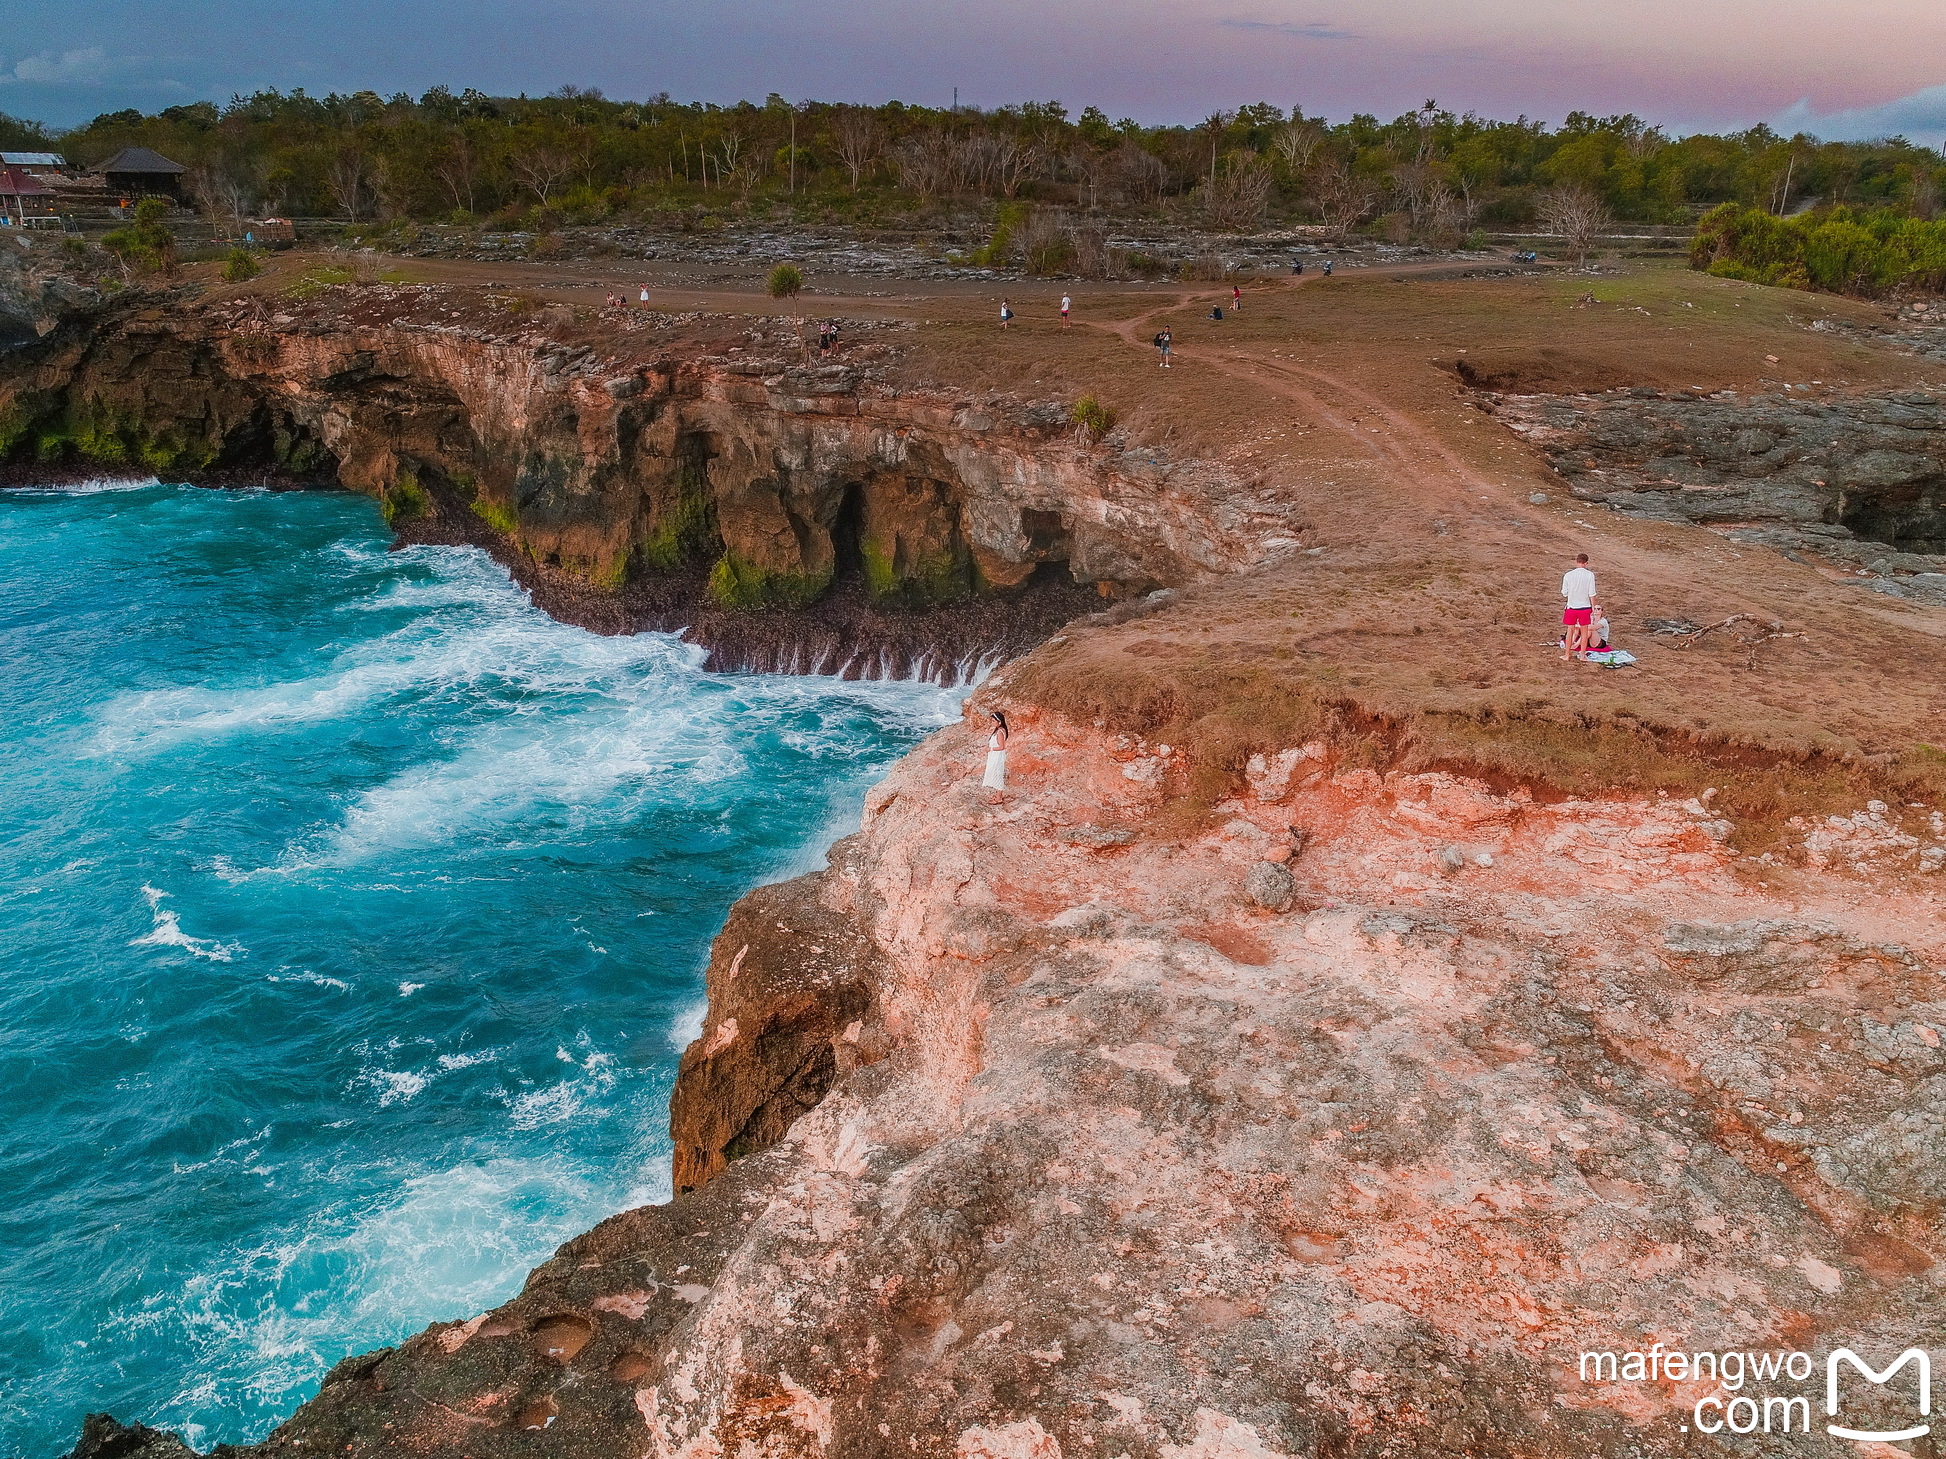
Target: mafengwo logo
1770,1406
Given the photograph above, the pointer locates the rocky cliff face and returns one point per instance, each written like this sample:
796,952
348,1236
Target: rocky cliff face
649,482
34,294
1340,1126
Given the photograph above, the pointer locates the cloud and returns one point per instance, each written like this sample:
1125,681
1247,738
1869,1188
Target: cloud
1317,30
69,68
1920,117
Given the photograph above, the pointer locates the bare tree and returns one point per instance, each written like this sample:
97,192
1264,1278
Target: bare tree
459,169
1014,163
859,140
1044,241
1297,144
1412,182
1450,209
1139,173
543,168
1093,168
1574,215
1237,196
350,179
729,154
1345,198
219,192
927,163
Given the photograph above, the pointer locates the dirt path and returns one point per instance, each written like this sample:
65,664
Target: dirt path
1405,443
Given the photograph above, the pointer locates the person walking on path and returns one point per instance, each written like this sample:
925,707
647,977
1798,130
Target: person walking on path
996,776
1066,304
1162,343
1578,587
1006,314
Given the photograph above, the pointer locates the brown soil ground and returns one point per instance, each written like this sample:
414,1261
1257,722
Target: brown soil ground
1418,615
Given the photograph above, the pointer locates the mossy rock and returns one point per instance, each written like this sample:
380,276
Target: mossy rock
497,515
737,584
405,500
944,578
685,533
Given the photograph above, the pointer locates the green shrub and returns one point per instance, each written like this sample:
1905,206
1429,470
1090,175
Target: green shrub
999,248
240,265
786,281
1838,250
146,243
1092,416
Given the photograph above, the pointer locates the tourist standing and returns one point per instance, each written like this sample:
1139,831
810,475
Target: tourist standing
1236,297
1162,343
645,296
1578,587
1066,304
996,776
1006,314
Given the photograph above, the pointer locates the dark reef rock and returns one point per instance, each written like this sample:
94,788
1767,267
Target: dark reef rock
103,1437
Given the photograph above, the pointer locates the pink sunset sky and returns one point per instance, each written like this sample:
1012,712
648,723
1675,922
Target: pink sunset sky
1855,68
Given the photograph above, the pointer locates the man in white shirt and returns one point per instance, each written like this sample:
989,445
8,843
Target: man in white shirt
1578,587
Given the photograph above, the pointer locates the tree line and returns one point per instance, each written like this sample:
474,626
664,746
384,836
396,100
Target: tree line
578,157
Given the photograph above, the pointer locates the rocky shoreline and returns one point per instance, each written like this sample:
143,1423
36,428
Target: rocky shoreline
1025,1131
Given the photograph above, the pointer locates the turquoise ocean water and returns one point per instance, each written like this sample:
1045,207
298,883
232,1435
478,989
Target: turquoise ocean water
352,918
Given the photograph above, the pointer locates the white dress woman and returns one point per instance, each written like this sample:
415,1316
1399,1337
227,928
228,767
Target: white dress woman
996,776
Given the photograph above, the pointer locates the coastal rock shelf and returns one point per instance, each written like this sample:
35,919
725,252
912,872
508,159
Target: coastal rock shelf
788,515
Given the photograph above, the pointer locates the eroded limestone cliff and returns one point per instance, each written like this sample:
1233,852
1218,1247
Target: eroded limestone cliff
1128,1146
791,515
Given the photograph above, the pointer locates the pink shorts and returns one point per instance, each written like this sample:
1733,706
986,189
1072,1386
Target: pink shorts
1577,616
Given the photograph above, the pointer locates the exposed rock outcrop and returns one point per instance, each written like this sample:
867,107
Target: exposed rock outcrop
1859,478
1116,1160
35,295
638,485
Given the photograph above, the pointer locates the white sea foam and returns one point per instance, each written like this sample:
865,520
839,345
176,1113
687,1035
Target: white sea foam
450,1062
270,1318
392,1086
167,932
406,990
316,979
571,1098
91,487
688,1026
